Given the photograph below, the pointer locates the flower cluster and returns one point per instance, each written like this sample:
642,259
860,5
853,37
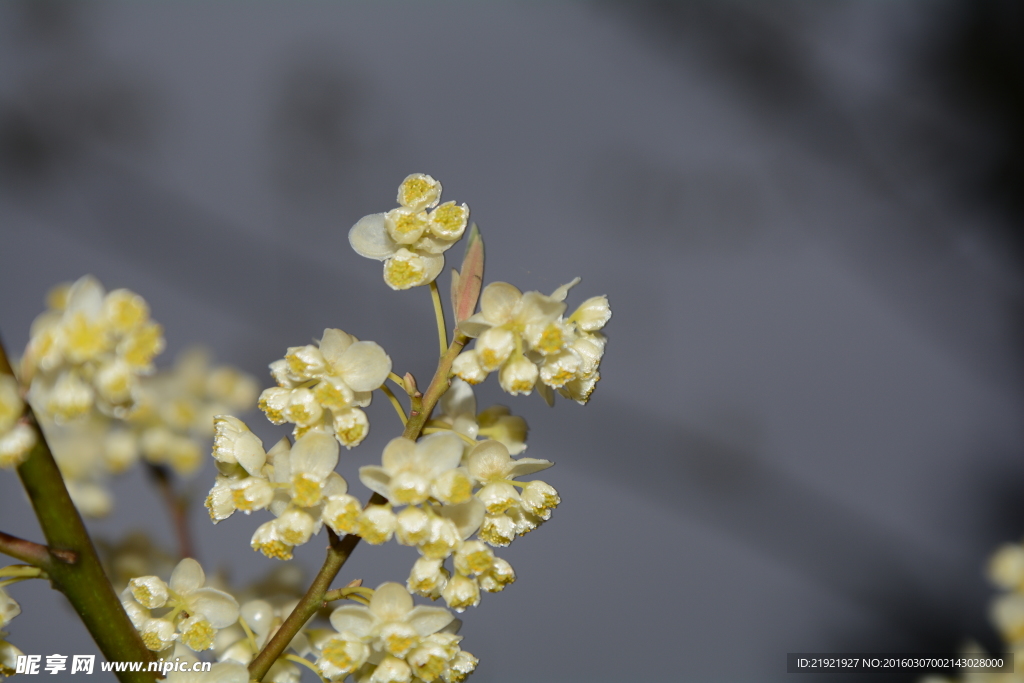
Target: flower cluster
171,422
392,641
450,492
297,484
411,239
192,614
326,386
8,653
526,339
88,351
16,437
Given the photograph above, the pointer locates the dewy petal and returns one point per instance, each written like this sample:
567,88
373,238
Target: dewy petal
525,466
438,453
497,302
459,400
376,479
315,453
426,619
364,366
354,619
187,577
399,454
369,237
219,608
391,602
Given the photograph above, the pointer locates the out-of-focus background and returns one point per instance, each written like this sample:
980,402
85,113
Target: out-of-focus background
807,217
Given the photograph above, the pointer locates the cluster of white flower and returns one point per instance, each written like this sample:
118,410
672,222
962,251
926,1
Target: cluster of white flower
192,614
528,341
8,652
326,386
391,641
297,484
451,491
16,437
410,239
262,619
170,424
88,351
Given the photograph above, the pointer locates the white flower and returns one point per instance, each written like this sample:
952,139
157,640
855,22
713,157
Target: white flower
412,472
89,350
195,613
509,512
412,238
526,339
326,386
390,624
304,482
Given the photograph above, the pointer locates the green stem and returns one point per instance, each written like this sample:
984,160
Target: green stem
83,582
339,549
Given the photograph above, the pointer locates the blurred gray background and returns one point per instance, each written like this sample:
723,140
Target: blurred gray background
807,217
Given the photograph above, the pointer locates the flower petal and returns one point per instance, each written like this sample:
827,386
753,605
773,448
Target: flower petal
315,453
399,454
364,366
376,479
467,516
391,602
426,619
489,460
459,400
369,237
219,608
497,302
355,619
438,453
187,577
525,466
333,344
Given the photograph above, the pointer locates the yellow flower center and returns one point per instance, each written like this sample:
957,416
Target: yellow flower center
414,190
550,340
305,490
199,636
274,549
403,273
448,220
337,653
